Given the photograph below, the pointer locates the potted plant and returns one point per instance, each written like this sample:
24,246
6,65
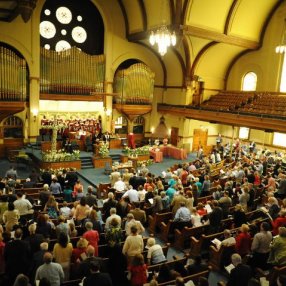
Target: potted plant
103,150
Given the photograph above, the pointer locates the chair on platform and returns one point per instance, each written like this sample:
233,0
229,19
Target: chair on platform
74,145
88,144
107,168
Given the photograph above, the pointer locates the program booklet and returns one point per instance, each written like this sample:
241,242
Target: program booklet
217,243
229,267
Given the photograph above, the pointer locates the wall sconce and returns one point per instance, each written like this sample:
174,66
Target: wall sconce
108,113
35,113
152,130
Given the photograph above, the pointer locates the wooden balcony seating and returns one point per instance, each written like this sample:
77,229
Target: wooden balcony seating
220,257
155,220
182,237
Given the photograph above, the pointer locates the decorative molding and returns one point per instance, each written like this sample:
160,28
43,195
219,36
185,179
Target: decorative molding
219,37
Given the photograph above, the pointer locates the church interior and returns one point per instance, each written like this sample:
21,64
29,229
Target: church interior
183,77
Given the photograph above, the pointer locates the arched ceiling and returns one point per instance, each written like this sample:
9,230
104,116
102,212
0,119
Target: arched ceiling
206,29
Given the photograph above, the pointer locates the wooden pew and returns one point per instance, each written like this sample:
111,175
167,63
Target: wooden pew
74,282
194,277
29,190
220,257
204,200
182,238
171,264
155,221
201,245
166,229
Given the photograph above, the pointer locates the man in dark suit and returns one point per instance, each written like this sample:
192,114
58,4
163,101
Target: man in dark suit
215,218
17,256
136,181
96,277
47,177
106,137
110,203
240,274
71,178
83,269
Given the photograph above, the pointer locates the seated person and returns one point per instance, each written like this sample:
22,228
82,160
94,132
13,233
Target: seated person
155,253
183,216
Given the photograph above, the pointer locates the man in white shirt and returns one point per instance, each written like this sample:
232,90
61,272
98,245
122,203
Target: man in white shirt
23,205
119,185
132,194
112,215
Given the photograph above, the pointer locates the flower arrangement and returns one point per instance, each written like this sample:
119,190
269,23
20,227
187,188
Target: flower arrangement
103,150
60,156
145,162
137,151
55,172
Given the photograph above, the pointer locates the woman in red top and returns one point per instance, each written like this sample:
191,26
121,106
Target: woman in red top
257,179
279,221
201,209
138,271
80,248
91,236
243,241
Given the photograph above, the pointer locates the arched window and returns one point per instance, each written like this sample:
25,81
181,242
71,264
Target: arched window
121,125
249,82
13,127
138,127
243,133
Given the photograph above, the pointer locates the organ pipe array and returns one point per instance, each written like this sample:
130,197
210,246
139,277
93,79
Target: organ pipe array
71,72
135,85
13,76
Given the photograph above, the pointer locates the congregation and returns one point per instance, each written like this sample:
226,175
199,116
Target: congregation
229,212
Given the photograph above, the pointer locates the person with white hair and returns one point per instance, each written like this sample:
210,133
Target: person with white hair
112,215
155,252
130,222
119,185
240,274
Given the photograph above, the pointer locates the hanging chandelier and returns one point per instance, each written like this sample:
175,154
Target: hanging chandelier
163,38
281,48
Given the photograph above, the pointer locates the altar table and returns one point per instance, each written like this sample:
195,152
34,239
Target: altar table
174,152
157,156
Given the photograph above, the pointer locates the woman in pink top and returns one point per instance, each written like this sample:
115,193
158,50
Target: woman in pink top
91,236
